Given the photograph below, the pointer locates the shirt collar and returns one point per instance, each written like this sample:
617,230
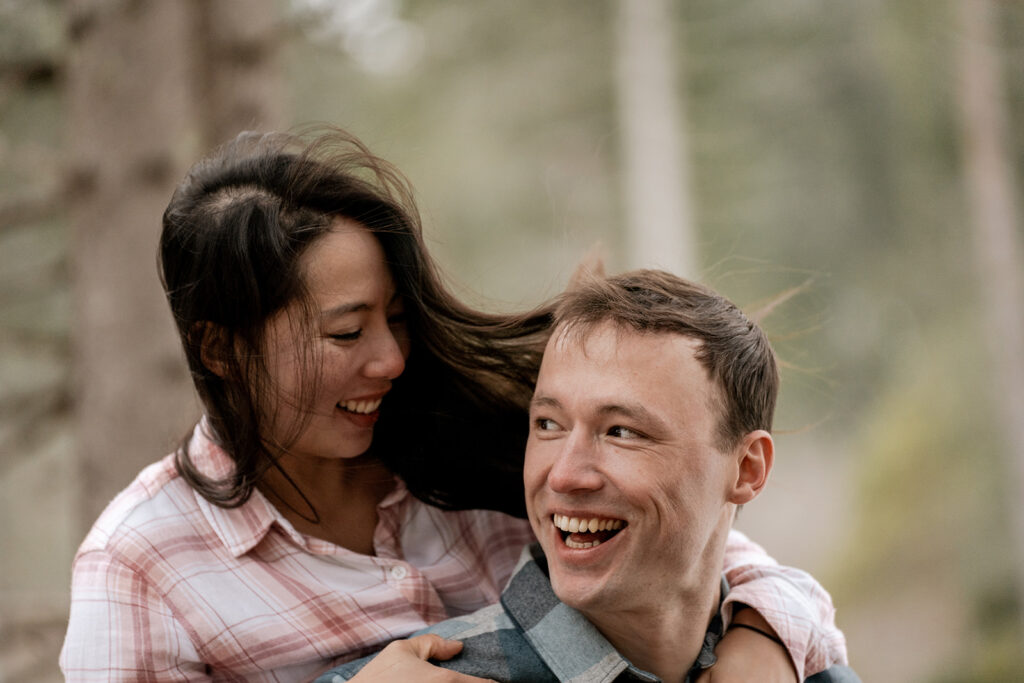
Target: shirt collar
566,641
242,528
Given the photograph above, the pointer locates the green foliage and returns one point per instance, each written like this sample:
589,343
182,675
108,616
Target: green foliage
505,126
927,461
931,502
824,148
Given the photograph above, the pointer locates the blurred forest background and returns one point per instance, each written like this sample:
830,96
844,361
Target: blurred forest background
861,159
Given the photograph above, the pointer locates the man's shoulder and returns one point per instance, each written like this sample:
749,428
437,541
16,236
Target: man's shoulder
493,647
489,619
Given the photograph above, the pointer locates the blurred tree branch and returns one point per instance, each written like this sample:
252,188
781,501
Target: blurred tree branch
18,210
31,416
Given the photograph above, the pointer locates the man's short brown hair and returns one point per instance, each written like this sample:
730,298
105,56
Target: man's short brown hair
733,349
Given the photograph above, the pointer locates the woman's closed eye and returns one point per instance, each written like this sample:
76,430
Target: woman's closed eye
346,336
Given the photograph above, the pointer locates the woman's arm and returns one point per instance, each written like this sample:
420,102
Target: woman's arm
791,601
121,629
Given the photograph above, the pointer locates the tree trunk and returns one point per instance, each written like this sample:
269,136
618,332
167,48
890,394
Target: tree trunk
238,77
150,88
651,109
994,215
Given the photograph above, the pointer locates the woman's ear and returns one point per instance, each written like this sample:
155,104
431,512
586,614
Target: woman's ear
755,456
212,347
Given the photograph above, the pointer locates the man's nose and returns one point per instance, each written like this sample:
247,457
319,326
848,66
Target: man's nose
575,467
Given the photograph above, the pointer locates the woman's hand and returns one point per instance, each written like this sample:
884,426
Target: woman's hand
406,660
744,655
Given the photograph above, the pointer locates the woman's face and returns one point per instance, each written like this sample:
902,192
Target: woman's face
358,337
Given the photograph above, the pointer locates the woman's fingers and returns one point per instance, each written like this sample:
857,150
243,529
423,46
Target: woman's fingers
406,660
432,646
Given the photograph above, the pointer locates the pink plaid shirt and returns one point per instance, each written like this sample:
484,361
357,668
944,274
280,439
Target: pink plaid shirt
796,605
167,587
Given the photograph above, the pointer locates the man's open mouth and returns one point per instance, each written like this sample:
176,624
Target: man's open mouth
586,532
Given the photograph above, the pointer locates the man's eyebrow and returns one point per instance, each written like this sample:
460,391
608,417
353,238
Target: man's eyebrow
634,411
544,402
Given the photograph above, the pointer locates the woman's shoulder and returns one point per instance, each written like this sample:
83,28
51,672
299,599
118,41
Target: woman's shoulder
156,503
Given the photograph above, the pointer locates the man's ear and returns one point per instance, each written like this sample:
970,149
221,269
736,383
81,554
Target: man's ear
212,347
755,456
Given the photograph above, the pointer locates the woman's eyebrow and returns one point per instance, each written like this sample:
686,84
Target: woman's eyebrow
342,309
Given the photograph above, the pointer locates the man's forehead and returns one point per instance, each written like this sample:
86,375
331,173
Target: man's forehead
614,366
609,363
578,335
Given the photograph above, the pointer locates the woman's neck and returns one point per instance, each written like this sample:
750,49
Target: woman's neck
333,500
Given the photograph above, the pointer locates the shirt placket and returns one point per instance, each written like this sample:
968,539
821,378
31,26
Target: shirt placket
409,581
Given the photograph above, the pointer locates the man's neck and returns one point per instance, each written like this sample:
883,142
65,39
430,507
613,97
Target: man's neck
664,640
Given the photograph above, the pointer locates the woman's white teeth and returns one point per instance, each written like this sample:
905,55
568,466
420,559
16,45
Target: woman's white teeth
362,407
583,525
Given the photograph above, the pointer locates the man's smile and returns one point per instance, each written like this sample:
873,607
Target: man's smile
586,532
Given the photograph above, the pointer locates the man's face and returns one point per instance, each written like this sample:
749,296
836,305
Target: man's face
622,445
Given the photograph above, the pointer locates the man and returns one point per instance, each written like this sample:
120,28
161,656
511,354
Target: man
649,427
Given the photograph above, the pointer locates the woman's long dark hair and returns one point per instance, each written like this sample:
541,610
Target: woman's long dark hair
454,426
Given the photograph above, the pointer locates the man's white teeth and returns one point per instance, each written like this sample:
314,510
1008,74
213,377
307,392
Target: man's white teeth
583,525
362,407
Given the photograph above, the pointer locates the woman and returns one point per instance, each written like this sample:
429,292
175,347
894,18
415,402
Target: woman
357,472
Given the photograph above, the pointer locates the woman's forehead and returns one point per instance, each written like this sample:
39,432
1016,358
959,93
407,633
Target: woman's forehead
345,265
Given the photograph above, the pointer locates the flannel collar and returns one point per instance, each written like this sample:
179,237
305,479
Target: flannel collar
567,642
242,528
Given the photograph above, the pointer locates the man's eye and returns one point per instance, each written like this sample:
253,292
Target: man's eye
620,432
545,424
346,336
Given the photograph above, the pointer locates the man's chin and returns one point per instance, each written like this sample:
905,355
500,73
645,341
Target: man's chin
579,583
577,592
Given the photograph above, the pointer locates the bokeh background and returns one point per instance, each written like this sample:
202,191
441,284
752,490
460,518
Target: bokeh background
852,166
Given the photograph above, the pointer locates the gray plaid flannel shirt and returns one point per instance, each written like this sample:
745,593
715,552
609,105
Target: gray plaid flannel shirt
531,636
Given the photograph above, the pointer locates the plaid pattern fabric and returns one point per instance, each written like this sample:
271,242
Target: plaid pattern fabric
533,637
796,605
169,587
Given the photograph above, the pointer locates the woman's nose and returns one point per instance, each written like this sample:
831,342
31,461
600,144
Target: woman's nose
388,356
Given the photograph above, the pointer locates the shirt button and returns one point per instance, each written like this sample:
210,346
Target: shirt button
398,572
